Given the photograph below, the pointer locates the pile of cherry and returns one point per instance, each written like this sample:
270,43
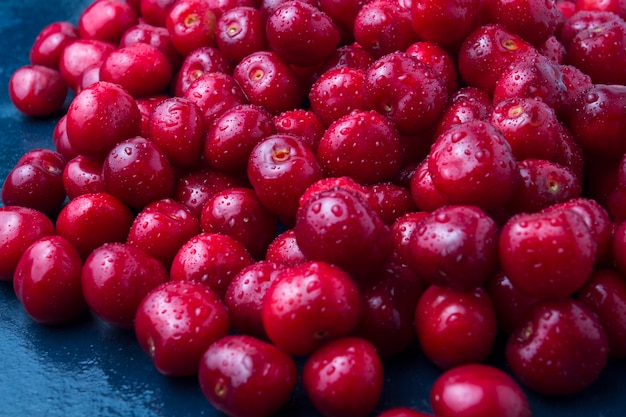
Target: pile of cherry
248,182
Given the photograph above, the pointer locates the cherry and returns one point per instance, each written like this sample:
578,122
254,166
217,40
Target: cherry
240,31
212,259
475,390
280,168
605,294
455,328
231,138
245,294
268,81
81,54
472,163
48,46
301,34
486,52
337,373
138,173
405,90
191,25
90,220
37,91
465,104
176,322
509,303
302,123
402,412
393,201
454,246
176,126
101,116
308,305
200,61
559,349
237,212
155,12
425,195
196,187
83,175
115,279
383,27
284,249
432,18
363,145
19,228
244,376
161,228
336,93
47,281
339,227
388,309
534,20
155,36
214,93
106,20
128,65
36,181
441,62
547,254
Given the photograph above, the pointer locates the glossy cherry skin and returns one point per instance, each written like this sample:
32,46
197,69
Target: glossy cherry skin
284,249
534,20
388,308
83,175
212,259
337,373
308,305
191,25
237,212
301,34
200,61
196,187
605,294
486,52
336,93
559,349
176,322
91,220
509,303
47,281
339,227
101,116
405,90
48,46
302,123
454,246
455,328
430,19
245,377
155,12
177,126
231,138
106,20
279,169
155,36
115,279
594,118
245,294
138,172
268,81
440,60
37,91
214,93
36,181
472,163
81,54
127,67
19,228
240,31
547,255
161,228
475,390
363,145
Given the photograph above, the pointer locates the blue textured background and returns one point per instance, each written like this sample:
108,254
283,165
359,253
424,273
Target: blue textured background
92,369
